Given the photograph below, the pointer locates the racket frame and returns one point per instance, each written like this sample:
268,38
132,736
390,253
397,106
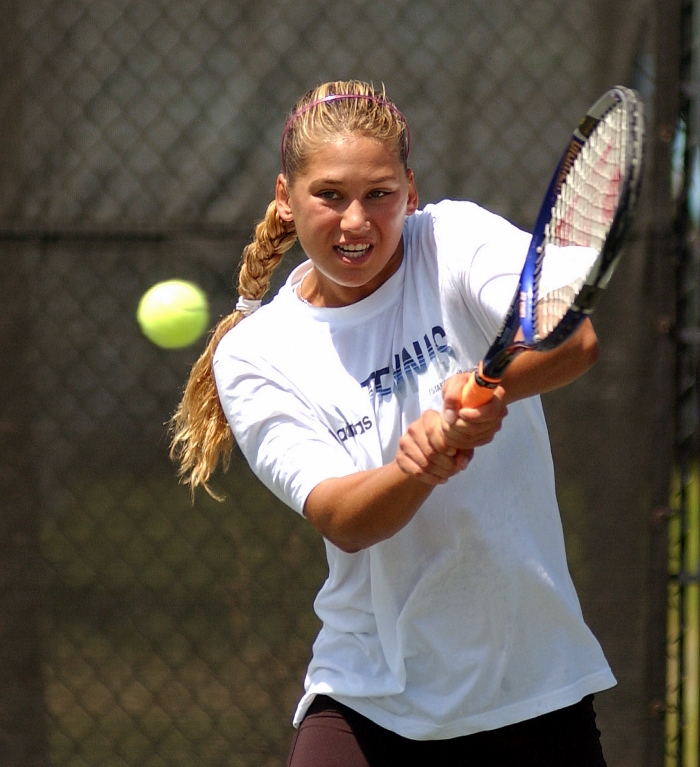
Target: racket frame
605,264
520,316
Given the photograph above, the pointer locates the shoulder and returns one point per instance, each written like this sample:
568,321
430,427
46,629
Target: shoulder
256,338
453,232
459,224
247,332
457,211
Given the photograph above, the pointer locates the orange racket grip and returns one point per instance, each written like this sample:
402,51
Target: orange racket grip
479,389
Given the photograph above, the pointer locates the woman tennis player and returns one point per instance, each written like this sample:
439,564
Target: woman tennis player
451,631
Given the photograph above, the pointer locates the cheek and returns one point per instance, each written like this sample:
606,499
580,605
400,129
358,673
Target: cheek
309,209
316,221
394,220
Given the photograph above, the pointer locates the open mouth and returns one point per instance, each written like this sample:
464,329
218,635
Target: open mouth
353,252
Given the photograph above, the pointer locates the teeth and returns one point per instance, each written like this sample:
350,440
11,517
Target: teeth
354,249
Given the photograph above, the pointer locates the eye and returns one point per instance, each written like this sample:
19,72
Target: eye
328,194
378,193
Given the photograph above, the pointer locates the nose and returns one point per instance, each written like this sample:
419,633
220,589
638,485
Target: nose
354,217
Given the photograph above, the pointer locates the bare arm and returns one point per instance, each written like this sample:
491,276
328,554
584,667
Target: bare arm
531,373
361,509
539,372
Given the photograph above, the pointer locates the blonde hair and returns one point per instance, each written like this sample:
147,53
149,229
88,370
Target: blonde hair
201,436
341,109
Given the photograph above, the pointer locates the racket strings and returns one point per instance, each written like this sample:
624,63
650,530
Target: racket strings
586,204
553,307
581,217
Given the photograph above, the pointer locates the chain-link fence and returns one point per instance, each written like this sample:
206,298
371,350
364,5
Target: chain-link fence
141,143
683,675
162,113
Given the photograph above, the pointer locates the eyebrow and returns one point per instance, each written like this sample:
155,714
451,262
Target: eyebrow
371,181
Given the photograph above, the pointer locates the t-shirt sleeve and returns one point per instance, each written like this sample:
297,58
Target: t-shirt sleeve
483,254
279,433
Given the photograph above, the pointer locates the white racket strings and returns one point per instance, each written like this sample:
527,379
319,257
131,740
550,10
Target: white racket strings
581,219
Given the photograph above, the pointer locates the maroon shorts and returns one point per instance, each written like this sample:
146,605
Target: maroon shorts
332,735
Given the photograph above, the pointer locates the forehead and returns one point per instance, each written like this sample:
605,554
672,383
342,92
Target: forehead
353,156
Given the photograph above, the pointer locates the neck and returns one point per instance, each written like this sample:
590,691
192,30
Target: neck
321,291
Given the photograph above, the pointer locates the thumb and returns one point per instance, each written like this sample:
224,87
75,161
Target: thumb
452,396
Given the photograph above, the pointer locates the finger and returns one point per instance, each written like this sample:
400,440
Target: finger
435,434
495,408
429,434
466,434
416,459
468,430
416,447
463,459
414,471
452,397
473,428
408,466
469,441
417,441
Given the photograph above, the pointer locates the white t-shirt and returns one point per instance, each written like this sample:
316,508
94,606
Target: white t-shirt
467,618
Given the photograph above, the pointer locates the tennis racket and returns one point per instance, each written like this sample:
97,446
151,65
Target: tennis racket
577,238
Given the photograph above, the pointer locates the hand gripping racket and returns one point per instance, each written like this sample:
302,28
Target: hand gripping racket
577,237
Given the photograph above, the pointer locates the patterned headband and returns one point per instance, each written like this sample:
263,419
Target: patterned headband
344,97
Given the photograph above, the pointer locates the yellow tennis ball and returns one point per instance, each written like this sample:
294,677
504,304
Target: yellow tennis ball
173,314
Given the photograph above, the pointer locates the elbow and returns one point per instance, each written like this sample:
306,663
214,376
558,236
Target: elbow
594,354
588,345
345,543
347,547
590,352
343,537
582,349
334,529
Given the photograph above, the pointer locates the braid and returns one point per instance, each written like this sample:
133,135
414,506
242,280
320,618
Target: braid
201,436
273,238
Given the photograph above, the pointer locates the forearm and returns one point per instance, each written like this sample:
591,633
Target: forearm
359,510
539,372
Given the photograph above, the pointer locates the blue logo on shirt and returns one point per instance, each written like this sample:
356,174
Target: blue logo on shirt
408,364
354,429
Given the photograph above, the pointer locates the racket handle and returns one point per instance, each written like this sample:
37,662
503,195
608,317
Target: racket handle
479,389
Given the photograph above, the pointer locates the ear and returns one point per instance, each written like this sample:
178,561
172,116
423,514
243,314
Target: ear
412,202
284,207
